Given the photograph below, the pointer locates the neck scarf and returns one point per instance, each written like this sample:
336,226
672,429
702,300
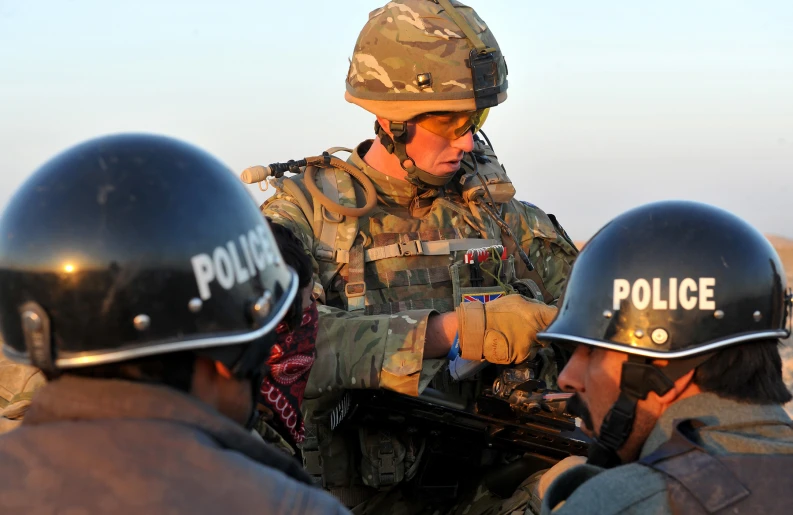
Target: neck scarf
289,365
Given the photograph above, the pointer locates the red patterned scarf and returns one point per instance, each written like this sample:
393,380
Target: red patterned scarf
290,362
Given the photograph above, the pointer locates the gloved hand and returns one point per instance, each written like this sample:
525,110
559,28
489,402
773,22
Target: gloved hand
501,331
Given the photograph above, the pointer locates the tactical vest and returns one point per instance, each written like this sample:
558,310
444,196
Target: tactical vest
385,263
699,483
366,265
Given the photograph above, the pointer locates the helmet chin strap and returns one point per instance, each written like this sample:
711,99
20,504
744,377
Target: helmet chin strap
397,145
256,386
639,378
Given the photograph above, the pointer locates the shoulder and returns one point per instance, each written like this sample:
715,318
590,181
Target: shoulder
533,219
200,475
630,488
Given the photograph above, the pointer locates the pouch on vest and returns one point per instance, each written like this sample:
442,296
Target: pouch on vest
383,458
487,170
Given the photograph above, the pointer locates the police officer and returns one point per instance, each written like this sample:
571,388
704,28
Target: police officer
138,275
418,243
675,311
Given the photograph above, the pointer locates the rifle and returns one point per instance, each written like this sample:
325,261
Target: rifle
506,419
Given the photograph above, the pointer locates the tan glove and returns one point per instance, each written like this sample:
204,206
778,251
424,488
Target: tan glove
501,331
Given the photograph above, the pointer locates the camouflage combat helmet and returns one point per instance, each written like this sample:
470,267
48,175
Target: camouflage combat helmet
424,56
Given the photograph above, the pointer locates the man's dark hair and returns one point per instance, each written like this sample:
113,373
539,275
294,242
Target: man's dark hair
174,370
293,251
750,372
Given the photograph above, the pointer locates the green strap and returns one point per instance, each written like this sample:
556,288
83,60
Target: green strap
458,19
355,289
418,248
426,248
441,305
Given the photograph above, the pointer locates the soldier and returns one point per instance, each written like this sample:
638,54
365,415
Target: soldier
675,310
139,276
399,278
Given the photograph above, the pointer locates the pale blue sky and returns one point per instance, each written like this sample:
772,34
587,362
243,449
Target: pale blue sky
612,104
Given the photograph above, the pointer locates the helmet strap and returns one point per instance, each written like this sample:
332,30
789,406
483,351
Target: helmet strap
256,392
397,145
639,378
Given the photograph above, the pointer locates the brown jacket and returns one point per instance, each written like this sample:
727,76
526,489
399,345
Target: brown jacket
732,428
106,446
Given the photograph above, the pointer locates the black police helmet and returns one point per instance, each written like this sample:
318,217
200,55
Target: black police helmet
671,280
135,245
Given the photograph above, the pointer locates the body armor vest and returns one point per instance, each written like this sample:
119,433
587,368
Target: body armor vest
439,251
397,258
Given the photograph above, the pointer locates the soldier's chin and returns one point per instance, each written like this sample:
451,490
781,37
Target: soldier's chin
447,169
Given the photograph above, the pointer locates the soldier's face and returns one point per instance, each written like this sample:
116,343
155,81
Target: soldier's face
594,375
435,154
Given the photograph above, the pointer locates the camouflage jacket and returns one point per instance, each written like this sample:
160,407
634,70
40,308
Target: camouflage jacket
382,345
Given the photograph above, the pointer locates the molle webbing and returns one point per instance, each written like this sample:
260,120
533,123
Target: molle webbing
389,238
403,247
408,248
443,305
410,277
355,289
523,271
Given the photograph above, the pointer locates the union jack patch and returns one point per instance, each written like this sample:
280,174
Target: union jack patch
482,297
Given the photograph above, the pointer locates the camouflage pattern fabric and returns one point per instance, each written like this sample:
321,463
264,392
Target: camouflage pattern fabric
383,345
412,58
386,350
411,37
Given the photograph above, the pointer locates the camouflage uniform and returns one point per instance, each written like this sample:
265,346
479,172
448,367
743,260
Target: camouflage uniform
382,346
381,276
